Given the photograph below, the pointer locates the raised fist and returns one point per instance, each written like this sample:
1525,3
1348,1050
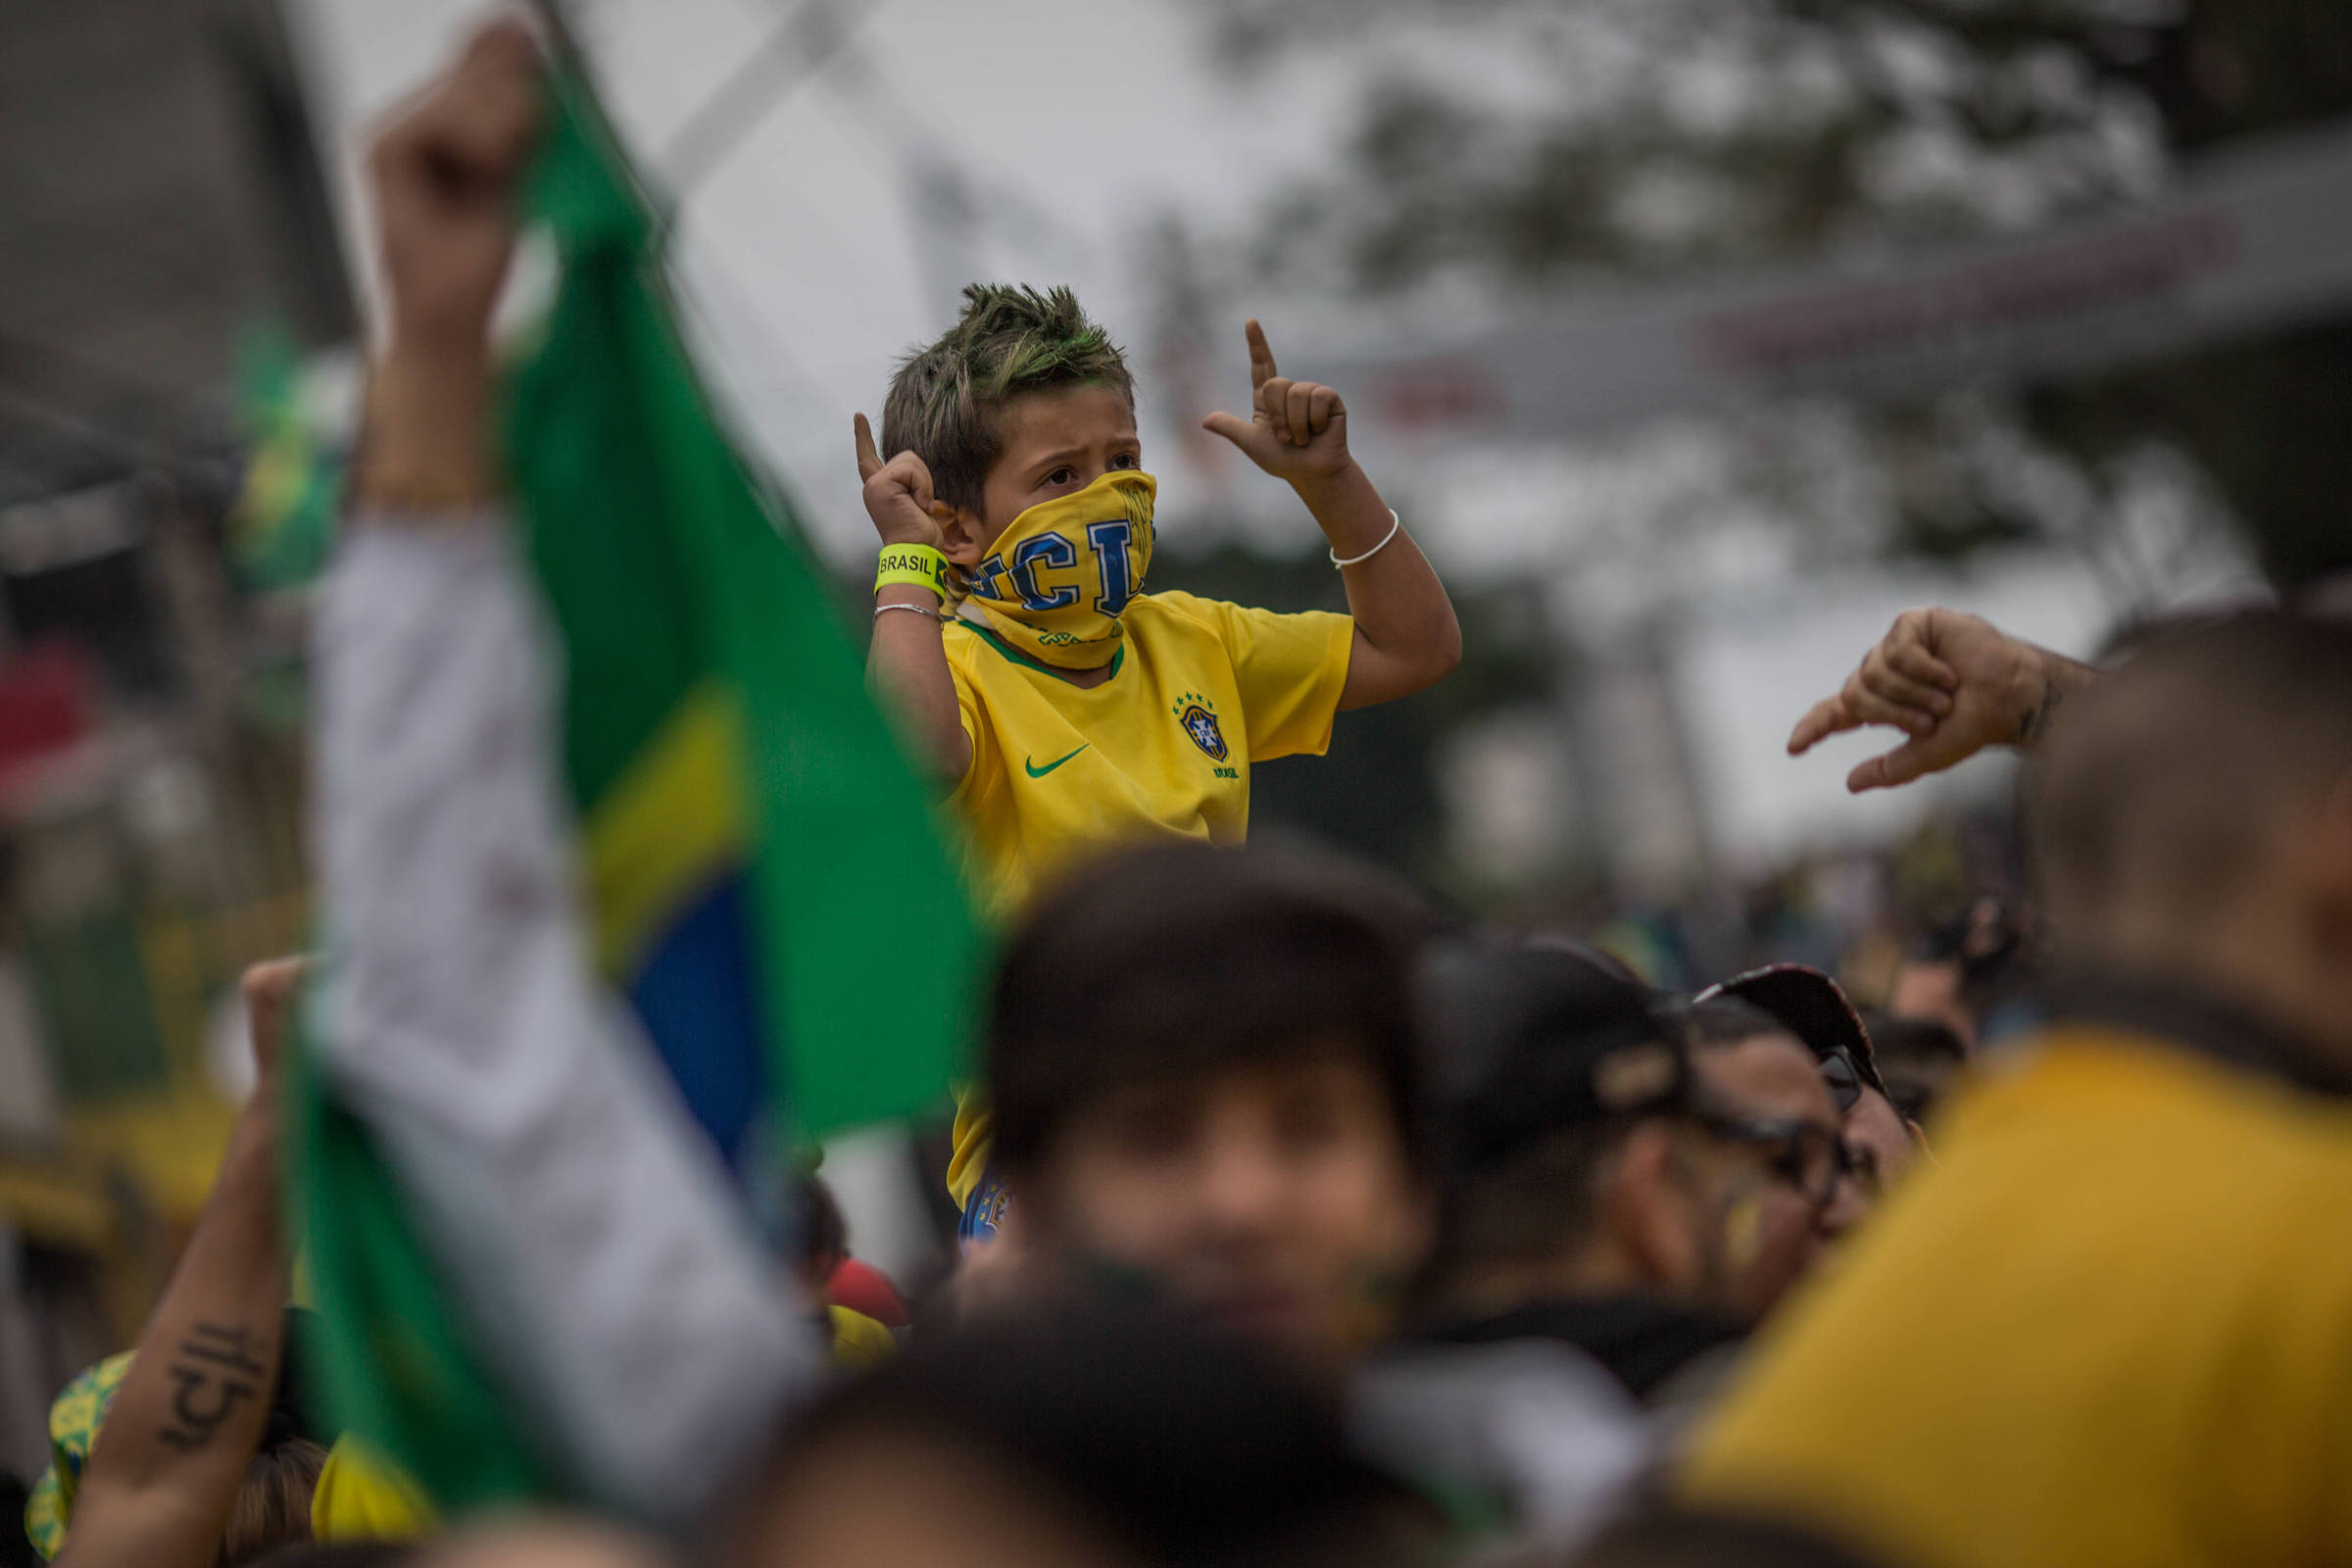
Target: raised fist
443,172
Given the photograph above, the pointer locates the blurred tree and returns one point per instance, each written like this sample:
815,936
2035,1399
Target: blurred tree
1536,144
1528,141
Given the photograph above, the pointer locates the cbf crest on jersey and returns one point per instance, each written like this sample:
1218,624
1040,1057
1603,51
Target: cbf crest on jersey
1199,716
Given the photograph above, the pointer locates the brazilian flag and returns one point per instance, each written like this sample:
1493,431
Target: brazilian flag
757,850
282,524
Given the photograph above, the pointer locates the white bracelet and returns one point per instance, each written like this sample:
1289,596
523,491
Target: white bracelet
1396,526
912,610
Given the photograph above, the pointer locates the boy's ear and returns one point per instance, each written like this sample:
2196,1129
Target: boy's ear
958,534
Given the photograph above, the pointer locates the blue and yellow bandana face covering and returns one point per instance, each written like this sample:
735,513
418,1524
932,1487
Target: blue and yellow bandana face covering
1057,579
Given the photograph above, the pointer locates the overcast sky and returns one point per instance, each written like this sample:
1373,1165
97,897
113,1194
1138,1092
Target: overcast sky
1082,123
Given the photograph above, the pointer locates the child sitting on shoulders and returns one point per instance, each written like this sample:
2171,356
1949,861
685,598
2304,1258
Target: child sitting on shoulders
1068,709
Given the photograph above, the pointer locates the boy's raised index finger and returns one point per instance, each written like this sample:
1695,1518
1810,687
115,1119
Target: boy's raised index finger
1262,357
869,458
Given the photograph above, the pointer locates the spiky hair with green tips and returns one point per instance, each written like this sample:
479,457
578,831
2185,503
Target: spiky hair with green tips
944,402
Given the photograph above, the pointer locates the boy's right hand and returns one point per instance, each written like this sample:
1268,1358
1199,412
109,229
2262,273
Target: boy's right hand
898,494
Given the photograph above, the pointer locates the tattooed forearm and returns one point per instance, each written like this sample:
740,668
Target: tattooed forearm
217,1368
2035,723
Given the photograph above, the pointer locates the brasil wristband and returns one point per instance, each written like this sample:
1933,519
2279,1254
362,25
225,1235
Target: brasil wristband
918,565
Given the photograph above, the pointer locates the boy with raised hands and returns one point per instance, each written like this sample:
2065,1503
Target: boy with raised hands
1066,708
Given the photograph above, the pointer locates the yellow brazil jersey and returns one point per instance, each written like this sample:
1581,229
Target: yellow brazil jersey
1200,691
1162,749
2113,1324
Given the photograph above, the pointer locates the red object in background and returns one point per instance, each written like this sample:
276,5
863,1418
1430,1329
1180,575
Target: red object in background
1436,394
863,1288
44,703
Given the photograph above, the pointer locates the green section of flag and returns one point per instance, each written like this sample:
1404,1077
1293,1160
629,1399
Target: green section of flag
678,585
282,523
668,566
390,1361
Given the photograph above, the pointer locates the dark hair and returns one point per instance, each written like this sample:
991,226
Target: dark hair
1539,1202
1706,1538
1917,1056
1907,1041
1172,1443
273,1507
945,401
294,1409
823,1231
1545,939
16,1547
1181,959
1549,1053
1727,1021
2163,783
341,1554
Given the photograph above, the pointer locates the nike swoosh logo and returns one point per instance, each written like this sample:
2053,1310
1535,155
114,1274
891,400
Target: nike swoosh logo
1036,771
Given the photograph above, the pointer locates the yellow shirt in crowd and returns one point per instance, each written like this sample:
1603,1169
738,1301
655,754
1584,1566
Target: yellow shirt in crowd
2113,1324
1161,750
362,1495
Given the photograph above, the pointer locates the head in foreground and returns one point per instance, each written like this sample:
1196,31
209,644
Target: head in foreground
1207,1091
2191,825
1090,1438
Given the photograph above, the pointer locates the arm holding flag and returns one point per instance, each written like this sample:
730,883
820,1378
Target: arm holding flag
572,1218
581,1228
444,176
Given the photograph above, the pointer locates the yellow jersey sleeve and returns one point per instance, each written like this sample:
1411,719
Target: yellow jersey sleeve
859,1343
969,1143
1291,670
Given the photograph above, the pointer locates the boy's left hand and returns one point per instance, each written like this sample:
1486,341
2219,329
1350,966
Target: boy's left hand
1296,430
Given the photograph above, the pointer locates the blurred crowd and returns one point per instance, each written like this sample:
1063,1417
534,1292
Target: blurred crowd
1302,1223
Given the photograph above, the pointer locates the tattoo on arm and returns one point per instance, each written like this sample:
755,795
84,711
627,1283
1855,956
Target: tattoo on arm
217,1368
2036,722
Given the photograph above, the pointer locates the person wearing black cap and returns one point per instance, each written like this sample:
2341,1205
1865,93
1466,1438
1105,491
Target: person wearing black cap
1814,1008
1617,1210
